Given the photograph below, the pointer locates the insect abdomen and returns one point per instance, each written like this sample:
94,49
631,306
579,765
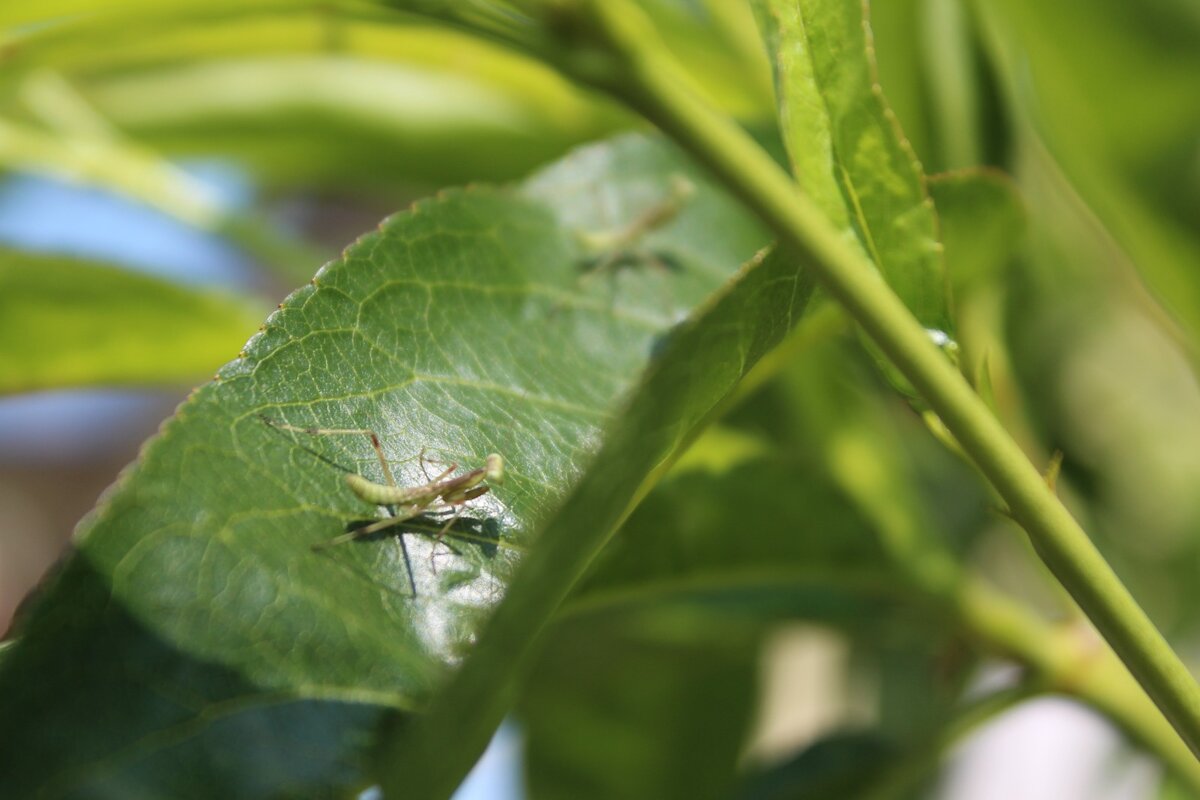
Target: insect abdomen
376,493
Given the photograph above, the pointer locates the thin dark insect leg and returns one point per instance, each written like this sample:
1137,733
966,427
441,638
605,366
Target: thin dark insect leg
396,519
374,527
384,524
601,266
412,579
383,462
370,434
451,466
423,461
441,476
354,570
459,503
349,536
440,535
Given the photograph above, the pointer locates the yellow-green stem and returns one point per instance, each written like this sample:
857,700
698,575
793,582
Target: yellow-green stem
1070,662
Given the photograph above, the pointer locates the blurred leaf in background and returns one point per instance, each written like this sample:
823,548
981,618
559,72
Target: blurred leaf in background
68,324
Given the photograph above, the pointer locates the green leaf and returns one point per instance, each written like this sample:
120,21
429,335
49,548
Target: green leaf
196,611
1105,95
66,323
719,449
740,538
1172,788
306,95
827,526
872,764
639,706
848,515
901,55
983,224
357,96
846,148
982,220
835,768
717,43
771,537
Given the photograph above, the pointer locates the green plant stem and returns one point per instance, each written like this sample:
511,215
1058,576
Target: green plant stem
616,50
1069,661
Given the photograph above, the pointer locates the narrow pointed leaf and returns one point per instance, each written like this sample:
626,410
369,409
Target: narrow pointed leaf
67,323
846,148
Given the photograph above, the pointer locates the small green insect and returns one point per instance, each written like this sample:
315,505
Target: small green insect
612,250
445,492
455,490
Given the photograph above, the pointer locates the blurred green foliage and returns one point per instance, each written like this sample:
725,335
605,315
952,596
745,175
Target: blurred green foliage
58,326
1026,177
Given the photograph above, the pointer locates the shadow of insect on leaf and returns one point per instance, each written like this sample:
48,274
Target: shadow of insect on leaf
610,251
482,536
628,258
482,532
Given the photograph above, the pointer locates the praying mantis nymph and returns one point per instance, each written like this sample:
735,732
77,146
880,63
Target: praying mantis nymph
439,494
614,249
449,490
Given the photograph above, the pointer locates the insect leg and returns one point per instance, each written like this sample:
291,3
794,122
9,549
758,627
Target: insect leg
370,434
438,537
459,498
406,513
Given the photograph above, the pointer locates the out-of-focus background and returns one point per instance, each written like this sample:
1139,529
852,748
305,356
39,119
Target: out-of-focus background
232,149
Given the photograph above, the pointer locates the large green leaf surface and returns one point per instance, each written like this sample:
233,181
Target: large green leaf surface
847,151
767,539
847,517
654,705
836,521
196,626
66,323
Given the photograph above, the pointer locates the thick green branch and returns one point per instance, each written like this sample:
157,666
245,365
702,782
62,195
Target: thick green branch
1069,662
617,51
